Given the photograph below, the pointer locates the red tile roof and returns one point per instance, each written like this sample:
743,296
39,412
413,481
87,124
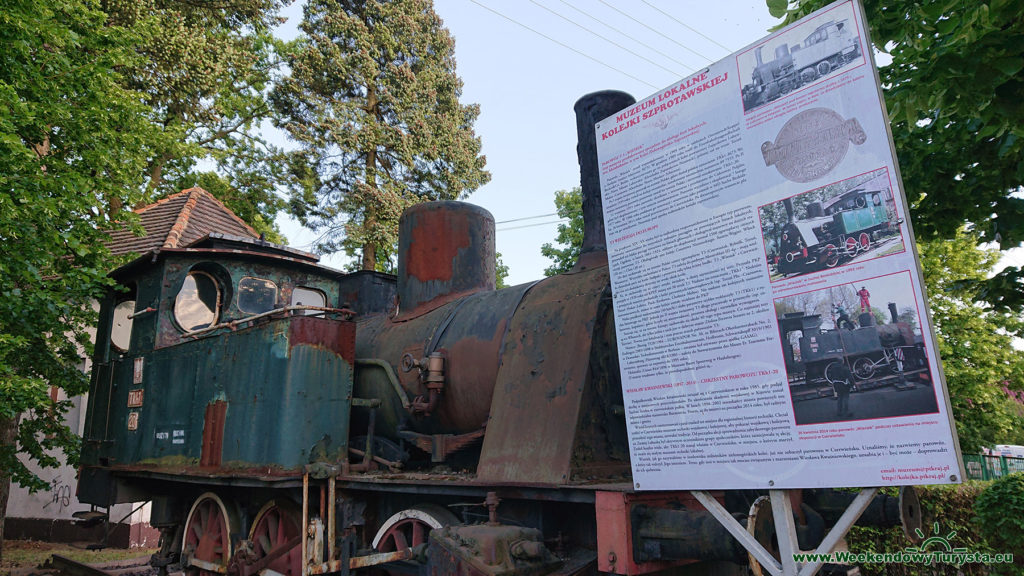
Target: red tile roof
179,220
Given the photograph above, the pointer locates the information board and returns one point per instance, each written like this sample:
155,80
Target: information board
771,325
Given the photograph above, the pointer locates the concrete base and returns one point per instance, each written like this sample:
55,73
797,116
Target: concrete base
139,535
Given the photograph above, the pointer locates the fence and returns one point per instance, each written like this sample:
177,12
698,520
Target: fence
980,467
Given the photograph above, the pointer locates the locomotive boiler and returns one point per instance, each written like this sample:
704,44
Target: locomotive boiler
287,418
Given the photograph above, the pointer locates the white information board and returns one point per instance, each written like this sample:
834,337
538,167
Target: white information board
771,325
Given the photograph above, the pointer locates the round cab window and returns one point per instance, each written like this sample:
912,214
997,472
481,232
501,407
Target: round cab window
197,304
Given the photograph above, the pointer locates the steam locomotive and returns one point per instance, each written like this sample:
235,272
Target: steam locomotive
842,227
877,354
286,418
830,47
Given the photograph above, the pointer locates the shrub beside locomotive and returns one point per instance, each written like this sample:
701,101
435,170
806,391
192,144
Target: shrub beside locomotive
287,418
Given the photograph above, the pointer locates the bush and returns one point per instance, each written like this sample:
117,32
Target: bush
1000,510
952,509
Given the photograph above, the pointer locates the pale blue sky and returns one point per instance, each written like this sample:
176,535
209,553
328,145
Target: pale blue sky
526,86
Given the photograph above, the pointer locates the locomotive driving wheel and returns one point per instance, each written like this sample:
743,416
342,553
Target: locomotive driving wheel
277,525
206,544
410,527
830,256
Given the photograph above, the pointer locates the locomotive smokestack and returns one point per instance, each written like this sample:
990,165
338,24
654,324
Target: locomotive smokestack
590,109
790,216
892,312
757,55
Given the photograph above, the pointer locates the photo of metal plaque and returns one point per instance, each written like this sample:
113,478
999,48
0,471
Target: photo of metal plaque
811,144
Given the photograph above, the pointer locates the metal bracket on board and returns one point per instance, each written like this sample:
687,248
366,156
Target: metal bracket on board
785,527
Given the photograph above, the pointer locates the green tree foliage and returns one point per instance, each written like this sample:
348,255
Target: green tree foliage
954,91
500,272
568,204
204,69
1000,509
73,147
975,342
373,102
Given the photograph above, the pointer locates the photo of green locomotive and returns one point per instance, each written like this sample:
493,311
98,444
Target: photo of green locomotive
840,223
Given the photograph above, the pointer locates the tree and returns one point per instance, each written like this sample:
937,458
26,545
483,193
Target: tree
975,341
203,69
954,92
500,272
569,205
372,100
74,144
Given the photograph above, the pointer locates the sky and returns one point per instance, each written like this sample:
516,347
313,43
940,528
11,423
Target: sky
526,62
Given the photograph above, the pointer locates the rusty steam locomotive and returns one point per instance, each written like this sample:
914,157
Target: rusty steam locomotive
286,418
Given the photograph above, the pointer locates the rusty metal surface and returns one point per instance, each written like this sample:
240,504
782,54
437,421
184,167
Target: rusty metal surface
468,332
445,250
281,389
615,532
489,550
213,434
540,385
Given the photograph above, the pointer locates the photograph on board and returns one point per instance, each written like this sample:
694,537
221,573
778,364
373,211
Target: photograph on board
855,352
817,49
849,221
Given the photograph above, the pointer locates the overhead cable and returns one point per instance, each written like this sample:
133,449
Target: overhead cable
681,23
607,25
563,45
609,40
669,38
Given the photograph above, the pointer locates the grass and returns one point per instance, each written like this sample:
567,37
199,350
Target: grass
25,555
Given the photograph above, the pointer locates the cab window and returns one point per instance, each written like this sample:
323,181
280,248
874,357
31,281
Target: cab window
197,304
256,295
121,328
302,296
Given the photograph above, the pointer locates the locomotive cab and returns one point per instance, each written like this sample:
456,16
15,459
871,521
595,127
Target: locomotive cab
228,338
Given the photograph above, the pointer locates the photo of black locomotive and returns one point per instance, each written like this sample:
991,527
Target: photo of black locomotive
831,46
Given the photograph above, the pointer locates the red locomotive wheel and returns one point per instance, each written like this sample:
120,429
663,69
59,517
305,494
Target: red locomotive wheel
830,256
277,523
865,241
851,246
410,527
207,539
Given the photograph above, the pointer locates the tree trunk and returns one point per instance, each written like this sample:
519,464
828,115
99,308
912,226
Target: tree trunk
8,434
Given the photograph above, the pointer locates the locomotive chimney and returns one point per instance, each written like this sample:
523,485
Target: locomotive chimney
892,312
790,216
591,109
445,251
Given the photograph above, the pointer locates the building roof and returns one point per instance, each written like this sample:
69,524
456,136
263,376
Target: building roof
179,220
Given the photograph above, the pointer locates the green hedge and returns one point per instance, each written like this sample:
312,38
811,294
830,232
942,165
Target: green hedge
986,517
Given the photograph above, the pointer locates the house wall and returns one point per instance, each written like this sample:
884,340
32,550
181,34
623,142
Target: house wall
47,515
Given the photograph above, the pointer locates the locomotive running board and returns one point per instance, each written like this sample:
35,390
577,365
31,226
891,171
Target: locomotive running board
785,527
